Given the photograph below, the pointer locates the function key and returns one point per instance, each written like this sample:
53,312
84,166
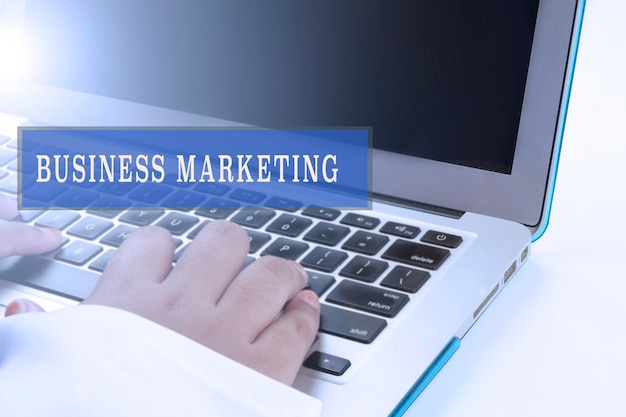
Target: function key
322,213
442,239
247,196
282,203
400,229
212,188
365,222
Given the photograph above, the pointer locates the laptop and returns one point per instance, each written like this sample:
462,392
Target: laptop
466,103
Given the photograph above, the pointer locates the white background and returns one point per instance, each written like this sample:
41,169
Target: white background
554,342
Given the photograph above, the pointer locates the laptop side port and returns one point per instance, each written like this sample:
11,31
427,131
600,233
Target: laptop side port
509,272
524,254
486,301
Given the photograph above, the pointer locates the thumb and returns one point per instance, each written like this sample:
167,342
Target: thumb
22,305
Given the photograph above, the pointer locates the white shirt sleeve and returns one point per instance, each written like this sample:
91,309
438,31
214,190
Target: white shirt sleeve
100,361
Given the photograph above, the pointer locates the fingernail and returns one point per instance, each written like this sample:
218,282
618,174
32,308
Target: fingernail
300,270
310,298
22,305
55,233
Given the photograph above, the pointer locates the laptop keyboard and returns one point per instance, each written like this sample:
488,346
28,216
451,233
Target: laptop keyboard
365,268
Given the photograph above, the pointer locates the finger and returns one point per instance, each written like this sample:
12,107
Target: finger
144,256
8,207
259,293
22,305
286,341
22,239
212,260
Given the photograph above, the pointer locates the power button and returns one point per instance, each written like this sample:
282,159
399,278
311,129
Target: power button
442,239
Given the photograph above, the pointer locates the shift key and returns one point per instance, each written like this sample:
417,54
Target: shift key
350,325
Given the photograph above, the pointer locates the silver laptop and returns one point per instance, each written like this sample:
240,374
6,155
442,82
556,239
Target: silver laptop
466,103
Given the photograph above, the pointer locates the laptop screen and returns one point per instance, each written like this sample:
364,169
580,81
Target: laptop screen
433,79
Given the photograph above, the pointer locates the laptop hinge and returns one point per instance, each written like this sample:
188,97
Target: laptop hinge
413,205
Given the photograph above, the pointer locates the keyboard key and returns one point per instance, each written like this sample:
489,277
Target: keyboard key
3,173
416,254
109,206
8,184
183,200
77,198
289,225
330,364
141,217
6,156
400,229
78,252
101,262
350,325
319,283
442,239
89,228
365,242
247,196
116,188
48,275
286,248
365,222
59,219
177,223
327,233
254,218
323,259
212,188
180,252
116,236
192,235
257,240
364,269
405,279
150,193
322,213
218,208
282,203
367,298
26,216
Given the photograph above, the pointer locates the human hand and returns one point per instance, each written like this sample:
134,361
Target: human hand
260,316
21,239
